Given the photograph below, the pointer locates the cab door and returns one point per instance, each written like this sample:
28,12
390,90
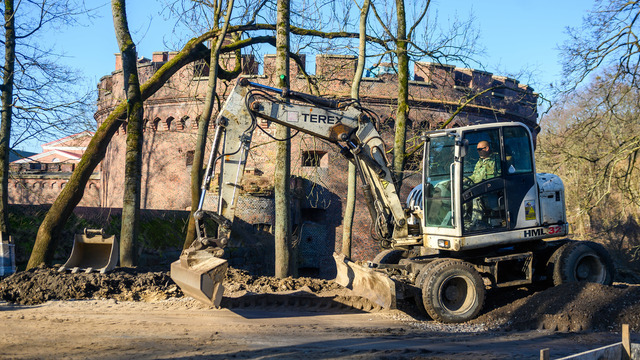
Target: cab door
520,179
483,196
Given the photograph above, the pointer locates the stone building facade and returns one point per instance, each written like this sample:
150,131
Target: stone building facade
319,173
39,178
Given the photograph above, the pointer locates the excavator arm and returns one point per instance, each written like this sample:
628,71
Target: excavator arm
200,269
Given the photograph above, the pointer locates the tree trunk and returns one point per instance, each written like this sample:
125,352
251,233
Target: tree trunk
197,169
7,112
349,211
51,227
283,158
133,155
402,112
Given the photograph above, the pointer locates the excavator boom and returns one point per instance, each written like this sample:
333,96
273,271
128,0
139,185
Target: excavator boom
200,269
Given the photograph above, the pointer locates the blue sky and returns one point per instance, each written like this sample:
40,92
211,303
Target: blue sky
516,35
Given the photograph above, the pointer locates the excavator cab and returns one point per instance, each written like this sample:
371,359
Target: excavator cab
482,189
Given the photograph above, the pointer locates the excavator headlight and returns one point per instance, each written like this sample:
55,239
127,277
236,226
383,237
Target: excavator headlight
445,244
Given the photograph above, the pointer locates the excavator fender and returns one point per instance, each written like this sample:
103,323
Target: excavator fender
366,282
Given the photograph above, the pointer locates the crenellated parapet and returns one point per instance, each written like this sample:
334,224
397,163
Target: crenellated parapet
433,87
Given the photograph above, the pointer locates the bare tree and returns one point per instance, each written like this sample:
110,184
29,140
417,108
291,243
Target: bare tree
607,44
402,111
36,102
416,43
607,39
7,103
282,177
133,156
590,136
349,212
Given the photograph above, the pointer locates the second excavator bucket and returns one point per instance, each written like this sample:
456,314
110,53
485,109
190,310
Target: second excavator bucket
93,251
200,275
366,282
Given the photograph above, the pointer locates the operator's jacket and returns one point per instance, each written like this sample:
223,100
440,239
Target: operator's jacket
485,169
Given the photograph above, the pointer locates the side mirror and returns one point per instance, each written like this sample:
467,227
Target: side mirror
464,148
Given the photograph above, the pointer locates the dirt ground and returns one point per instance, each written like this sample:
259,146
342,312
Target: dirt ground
135,313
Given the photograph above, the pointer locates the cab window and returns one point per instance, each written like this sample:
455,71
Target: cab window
440,157
517,150
482,161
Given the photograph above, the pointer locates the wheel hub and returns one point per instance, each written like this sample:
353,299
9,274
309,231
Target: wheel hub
451,293
589,269
455,294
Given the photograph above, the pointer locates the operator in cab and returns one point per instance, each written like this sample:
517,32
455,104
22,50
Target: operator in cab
486,166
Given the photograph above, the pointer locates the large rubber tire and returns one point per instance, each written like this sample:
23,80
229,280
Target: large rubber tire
425,273
389,256
582,261
453,292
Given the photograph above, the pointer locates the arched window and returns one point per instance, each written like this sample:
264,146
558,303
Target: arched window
185,123
171,124
409,124
156,123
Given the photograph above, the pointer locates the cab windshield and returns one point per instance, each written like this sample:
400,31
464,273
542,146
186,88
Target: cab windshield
437,179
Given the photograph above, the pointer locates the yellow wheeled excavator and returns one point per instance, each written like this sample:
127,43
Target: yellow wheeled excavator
481,217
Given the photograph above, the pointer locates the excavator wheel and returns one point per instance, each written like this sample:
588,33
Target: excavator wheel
453,292
582,261
424,274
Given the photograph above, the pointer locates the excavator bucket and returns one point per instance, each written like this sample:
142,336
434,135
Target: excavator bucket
200,274
366,282
92,251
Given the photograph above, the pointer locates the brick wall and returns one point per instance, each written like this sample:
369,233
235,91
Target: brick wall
34,189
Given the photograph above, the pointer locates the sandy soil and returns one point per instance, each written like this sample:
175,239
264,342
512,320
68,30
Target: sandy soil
180,328
135,313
